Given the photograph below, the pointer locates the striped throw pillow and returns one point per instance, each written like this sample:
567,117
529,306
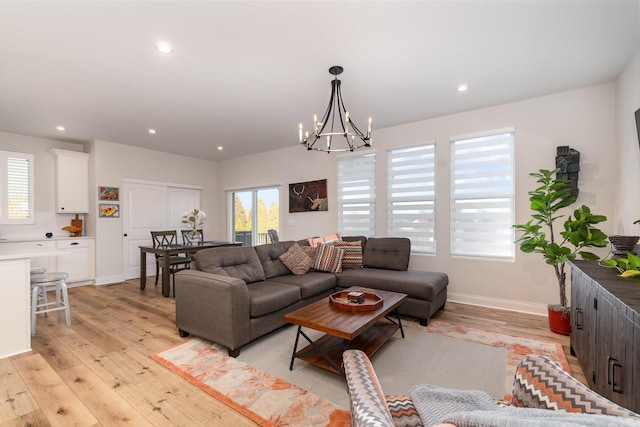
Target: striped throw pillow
296,260
329,258
352,257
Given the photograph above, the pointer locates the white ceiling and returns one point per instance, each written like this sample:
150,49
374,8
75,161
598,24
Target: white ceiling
244,74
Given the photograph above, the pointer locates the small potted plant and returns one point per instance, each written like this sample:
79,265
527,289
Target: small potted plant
578,233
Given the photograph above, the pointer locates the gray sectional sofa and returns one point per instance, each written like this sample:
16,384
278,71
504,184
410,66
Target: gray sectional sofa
233,295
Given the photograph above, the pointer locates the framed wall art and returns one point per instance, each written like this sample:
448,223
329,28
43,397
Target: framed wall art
107,210
310,196
109,193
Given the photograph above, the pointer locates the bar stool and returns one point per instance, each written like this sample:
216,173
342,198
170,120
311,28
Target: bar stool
42,292
39,303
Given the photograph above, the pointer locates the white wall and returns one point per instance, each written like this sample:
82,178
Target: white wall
46,220
112,162
628,151
583,119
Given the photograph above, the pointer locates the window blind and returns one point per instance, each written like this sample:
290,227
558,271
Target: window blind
16,189
357,194
411,196
482,212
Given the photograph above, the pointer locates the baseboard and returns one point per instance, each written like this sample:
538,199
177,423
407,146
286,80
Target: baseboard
502,304
107,280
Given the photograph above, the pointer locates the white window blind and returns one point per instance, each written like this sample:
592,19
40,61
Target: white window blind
482,212
16,188
357,194
411,196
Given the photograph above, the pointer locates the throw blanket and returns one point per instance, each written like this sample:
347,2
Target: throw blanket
473,408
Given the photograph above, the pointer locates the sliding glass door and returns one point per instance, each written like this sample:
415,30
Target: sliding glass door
254,212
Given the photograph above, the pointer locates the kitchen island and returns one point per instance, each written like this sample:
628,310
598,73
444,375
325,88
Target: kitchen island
15,290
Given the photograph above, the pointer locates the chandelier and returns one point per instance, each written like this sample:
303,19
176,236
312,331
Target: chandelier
335,123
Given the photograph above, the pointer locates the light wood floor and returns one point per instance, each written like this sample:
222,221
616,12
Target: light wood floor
98,372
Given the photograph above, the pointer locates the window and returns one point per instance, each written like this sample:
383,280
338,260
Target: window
16,188
482,212
357,194
411,196
253,213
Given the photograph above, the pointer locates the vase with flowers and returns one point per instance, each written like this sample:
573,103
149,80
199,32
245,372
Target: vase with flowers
194,219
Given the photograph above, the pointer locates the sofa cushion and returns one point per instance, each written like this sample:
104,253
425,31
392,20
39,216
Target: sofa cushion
269,256
389,253
240,262
335,237
352,257
266,297
296,260
424,285
311,284
328,258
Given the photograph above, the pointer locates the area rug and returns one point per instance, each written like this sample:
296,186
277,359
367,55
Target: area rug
259,384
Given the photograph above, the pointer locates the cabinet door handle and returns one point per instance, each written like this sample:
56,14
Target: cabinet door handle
74,243
612,364
578,318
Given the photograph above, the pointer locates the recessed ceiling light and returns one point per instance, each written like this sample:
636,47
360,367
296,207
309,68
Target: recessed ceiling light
151,131
164,47
61,128
463,87
220,147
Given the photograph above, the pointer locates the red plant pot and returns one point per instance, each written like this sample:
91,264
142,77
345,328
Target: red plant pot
559,322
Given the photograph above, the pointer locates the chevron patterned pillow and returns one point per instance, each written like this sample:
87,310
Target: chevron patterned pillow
352,257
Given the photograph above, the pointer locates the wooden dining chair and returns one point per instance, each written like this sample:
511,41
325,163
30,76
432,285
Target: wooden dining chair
176,262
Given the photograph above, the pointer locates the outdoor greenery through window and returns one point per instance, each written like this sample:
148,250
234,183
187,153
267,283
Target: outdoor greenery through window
482,212
411,196
357,194
16,188
254,212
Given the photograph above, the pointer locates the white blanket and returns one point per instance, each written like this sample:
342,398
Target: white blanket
473,408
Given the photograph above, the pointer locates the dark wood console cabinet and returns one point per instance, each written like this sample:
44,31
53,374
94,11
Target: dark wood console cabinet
605,331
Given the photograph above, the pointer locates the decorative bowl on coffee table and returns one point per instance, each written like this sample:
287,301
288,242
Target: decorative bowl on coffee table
341,301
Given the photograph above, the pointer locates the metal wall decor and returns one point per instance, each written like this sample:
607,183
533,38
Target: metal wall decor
568,165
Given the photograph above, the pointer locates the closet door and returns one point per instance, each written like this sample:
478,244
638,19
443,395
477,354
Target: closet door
144,209
151,206
181,200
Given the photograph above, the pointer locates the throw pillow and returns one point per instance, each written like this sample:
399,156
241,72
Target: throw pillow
329,258
311,251
296,260
335,237
352,257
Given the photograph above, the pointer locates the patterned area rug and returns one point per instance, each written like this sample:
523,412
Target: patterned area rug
265,399
272,399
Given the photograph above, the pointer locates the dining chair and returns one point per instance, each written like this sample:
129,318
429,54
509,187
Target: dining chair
185,241
176,262
273,235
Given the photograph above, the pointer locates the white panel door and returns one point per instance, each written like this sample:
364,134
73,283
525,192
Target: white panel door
144,209
181,200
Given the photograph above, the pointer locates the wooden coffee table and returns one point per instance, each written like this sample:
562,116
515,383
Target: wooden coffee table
364,330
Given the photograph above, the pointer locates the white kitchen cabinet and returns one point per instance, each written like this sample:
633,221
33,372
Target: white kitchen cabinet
71,181
80,263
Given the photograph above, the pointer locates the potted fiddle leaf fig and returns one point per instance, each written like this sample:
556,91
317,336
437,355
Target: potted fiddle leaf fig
577,233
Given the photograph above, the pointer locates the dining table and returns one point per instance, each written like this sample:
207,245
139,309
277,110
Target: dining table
167,251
